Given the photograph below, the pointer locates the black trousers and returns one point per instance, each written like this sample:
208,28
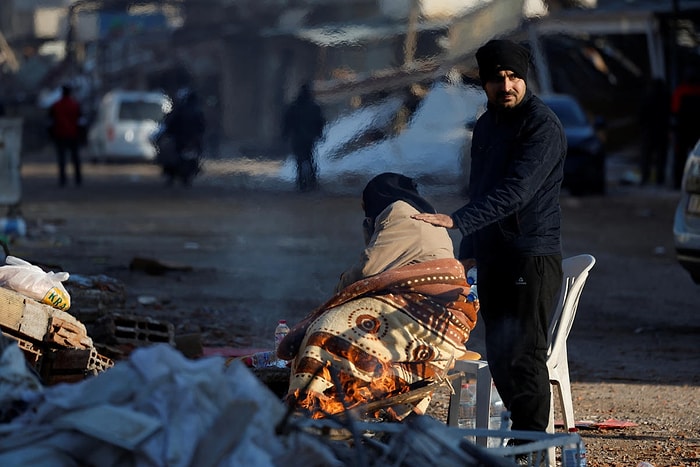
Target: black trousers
307,172
70,146
517,297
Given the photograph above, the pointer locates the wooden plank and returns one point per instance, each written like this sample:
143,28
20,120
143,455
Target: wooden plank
35,319
23,315
31,319
11,308
409,397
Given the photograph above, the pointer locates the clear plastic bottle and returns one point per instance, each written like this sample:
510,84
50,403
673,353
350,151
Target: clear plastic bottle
574,454
471,280
281,330
262,359
499,418
467,406
496,410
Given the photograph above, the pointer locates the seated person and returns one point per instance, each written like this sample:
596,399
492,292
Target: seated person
399,316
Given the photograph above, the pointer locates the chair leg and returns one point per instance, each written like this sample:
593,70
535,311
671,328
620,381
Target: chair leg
551,452
561,392
564,391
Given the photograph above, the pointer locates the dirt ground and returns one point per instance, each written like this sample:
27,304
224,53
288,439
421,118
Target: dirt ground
259,252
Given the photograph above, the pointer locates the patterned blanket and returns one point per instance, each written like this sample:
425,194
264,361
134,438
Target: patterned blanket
378,336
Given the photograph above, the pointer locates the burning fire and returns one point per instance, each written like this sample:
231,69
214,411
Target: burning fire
352,392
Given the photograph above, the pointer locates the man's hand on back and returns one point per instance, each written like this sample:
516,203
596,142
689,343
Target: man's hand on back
440,220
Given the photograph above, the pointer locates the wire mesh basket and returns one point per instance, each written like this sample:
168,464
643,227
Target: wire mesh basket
533,448
423,440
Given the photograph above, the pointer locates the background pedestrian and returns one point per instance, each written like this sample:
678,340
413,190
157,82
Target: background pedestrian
66,130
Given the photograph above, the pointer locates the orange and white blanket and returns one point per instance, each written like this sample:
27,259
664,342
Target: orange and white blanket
378,336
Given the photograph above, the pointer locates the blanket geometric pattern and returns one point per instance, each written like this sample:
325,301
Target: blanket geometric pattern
380,335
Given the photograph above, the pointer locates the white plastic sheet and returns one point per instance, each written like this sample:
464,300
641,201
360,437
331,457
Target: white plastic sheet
156,409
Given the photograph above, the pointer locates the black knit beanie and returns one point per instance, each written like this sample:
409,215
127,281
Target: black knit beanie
497,55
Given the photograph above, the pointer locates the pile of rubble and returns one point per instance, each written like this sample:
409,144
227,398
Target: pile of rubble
159,408
54,342
156,406
63,346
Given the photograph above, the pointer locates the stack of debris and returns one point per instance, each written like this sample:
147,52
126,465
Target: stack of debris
99,303
54,342
159,408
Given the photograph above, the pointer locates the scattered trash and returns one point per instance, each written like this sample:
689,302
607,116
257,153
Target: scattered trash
13,227
159,408
156,267
590,424
54,343
32,281
612,423
147,300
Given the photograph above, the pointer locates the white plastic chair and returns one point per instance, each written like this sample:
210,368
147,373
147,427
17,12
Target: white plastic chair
575,272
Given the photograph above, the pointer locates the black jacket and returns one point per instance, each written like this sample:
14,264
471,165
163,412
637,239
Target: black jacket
514,186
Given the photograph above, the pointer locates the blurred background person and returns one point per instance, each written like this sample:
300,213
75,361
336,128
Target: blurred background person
655,119
302,125
66,132
185,125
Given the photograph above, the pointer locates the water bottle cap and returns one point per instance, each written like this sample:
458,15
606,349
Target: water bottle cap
282,321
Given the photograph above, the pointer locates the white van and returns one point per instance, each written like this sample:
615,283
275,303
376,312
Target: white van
124,123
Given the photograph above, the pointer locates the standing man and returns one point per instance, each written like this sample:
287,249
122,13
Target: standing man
303,124
511,226
65,115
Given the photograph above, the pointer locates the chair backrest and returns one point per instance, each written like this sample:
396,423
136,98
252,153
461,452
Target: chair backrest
575,274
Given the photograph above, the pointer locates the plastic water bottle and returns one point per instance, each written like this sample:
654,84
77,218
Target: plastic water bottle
467,406
263,359
574,455
281,330
499,417
471,280
496,409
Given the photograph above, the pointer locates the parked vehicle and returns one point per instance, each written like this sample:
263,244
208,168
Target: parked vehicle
686,223
584,169
124,124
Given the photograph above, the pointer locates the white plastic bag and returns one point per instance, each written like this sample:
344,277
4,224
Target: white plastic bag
32,281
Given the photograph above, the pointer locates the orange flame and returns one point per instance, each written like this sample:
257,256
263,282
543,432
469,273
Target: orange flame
354,392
